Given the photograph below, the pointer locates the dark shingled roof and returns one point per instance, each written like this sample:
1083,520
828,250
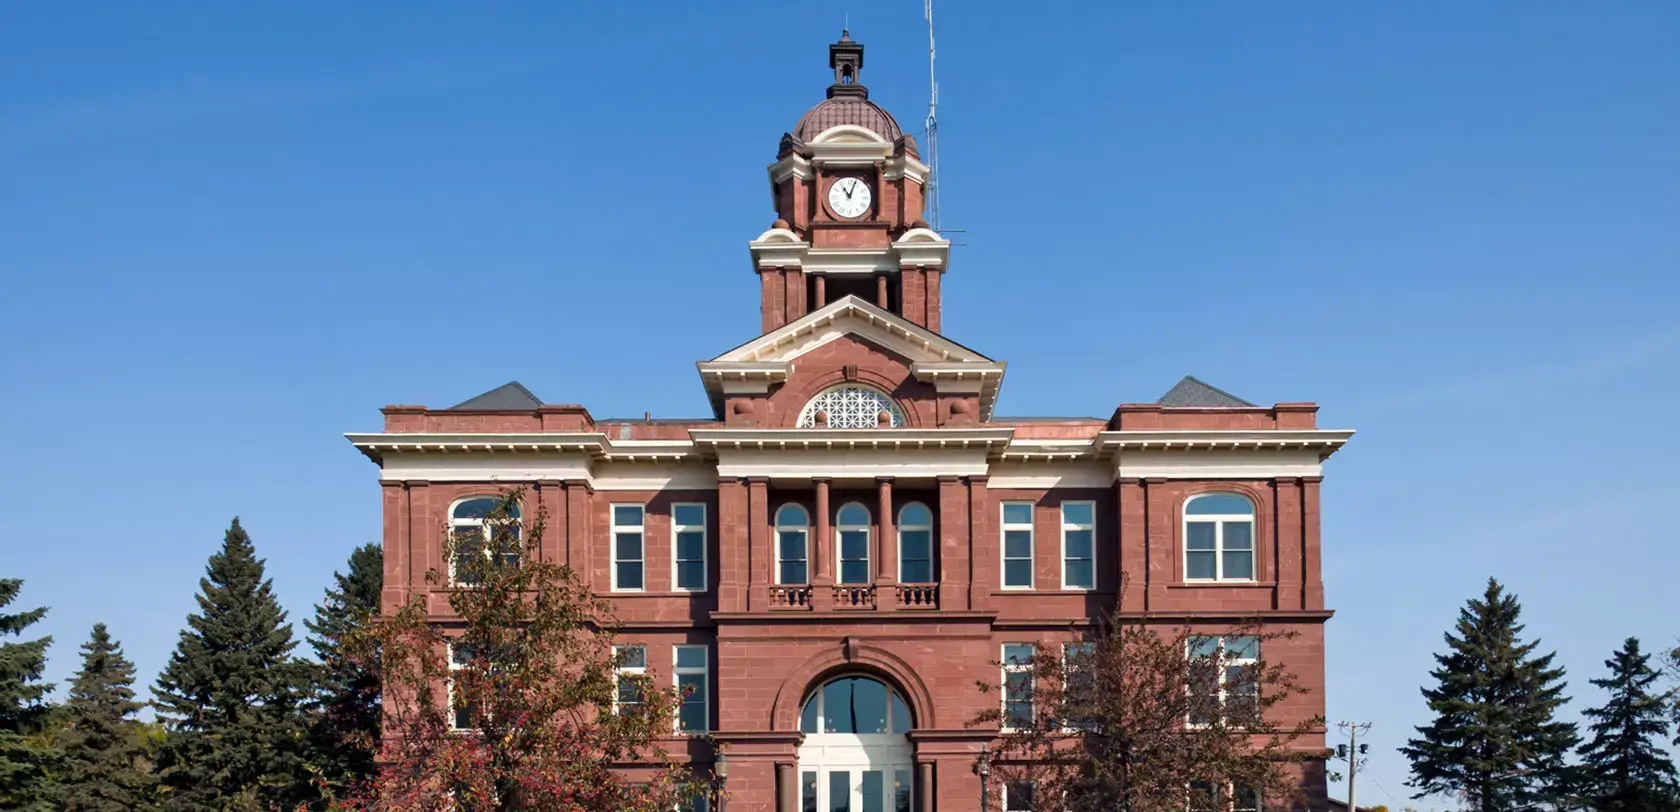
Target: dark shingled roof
1193,393
509,397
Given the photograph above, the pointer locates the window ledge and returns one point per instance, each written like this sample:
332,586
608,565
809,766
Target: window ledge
1223,585
681,593
1039,593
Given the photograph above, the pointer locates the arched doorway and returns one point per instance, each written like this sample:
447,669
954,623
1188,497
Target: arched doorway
855,757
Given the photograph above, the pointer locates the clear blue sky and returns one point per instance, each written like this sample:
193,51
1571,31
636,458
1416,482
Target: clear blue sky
229,235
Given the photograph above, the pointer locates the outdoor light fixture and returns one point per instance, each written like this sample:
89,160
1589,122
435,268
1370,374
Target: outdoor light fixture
983,768
720,768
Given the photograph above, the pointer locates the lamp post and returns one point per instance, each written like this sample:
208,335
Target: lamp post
983,768
720,768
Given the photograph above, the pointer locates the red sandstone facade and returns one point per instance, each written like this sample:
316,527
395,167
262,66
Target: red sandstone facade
851,398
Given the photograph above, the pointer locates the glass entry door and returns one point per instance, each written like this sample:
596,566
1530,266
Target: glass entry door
856,790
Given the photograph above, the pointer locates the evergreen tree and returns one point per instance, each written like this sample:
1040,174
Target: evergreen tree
344,728
104,764
1494,737
230,697
24,759
1624,767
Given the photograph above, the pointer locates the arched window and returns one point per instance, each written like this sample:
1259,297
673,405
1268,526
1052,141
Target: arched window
915,544
855,705
851,407
852,528
793,531
1219,538
471,533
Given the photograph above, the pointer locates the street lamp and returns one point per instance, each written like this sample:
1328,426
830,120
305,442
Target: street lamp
983,768
720,768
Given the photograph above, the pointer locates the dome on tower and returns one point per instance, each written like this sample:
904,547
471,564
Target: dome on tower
848,100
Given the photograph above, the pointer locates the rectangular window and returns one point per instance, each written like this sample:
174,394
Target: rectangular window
1079,570
1017,545
460,712
808,791
915,555
1017,685
628,549
688,547
1224,679
791,560
694,685
1018,796
1079,686
1245,799
698,802
1202,797
630,672
903,791
854,556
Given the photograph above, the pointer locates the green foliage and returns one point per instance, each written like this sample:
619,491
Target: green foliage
25,760
104,765
344,723
1494,737
1623,766
231,694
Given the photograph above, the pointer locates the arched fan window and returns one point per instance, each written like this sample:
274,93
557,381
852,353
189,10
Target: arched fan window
851,407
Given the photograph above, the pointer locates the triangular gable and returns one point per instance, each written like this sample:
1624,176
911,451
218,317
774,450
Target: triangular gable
851,316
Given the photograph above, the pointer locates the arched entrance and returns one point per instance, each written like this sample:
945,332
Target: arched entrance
855,757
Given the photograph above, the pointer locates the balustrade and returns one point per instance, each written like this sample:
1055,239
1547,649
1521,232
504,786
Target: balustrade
918,596
854,597
790,597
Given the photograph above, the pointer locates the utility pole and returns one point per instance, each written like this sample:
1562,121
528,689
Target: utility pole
1352,752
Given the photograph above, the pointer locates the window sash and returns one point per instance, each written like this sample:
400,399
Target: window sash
1017,687
629,550
1228,558
628,677
1079,571
694,713
1218,666
793,551
915,551
688,572
461,527
1018,568
854,564
460,718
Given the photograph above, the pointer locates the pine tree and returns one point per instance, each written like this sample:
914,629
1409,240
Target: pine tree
1624,767
24,760
104,764
230,696
344,728
1494,737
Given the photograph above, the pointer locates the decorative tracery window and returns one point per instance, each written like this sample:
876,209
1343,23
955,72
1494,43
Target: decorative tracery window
851,407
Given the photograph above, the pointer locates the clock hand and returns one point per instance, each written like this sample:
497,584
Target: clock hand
849,189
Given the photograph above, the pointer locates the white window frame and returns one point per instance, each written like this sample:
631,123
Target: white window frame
458,524
1005,793
678,671
1067,674
1230,788
868,529
1223,662
834,400
1017,668
1219,520
454,727
614,529
777,527
1003,544
620,671
900,527
677,530
1061,512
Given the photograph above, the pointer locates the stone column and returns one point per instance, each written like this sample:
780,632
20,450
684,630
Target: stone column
732,545
822,549
953,544
758,543
985,548
924,787
1312,596
881,299
822,290
886,566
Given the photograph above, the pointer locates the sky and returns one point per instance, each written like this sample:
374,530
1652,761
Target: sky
230,233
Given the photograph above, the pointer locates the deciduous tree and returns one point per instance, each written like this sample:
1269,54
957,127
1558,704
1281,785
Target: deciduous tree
512,705
1140,716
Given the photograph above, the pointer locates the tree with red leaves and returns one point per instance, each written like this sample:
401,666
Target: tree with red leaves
512,704
1139,716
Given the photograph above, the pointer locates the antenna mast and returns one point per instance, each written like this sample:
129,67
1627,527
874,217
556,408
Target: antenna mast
932,189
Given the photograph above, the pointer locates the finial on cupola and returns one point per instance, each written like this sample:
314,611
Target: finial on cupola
846,58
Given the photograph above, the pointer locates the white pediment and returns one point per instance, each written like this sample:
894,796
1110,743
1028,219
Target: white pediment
854,317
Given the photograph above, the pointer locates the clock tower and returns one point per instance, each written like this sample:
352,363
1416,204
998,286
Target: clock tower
847,187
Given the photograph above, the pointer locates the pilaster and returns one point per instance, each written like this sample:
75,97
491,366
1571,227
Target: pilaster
551,506
580,546
1312,596
1133,541
1287,553
953,549
732,544
758,543
1160,548
984,547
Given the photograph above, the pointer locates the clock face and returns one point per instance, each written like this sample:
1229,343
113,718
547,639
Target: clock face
848,197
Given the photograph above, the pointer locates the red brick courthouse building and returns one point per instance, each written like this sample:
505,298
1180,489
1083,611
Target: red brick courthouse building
854,538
